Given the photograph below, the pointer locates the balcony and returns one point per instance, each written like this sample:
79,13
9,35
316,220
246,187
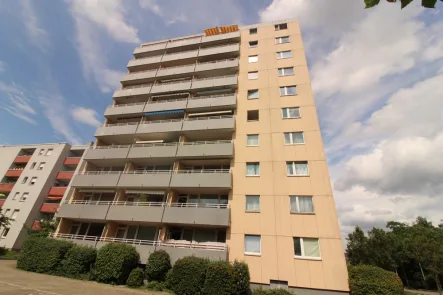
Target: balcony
143,247
233,36
139,76
65,175
108,152
14,172
212,101
136,211
200,149
22,159
149,48
72,161
145,179
116,129
125,109
171,86
184,42
159,126
180,55
197,214
177,70
97,179
49,207
166,104
209,178
57,191
6,187
218,81
153,150
220,49
226,122
146,61
89,241
90,210
217,65
135,90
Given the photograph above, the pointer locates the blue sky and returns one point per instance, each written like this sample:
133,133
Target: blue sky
377,76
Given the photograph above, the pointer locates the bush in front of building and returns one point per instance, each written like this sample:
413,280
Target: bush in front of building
157,266
242,278
156,286
188,276
78,262
135,278
372,280
219,279
42,255
114,263
271,292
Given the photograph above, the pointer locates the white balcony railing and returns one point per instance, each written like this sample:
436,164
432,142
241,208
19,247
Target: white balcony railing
114,146
212,96
221,45
209,118
161,121
198,205
99,172
137,86
126,105
148,172
155,144
190,171
206,142
119,124
213,78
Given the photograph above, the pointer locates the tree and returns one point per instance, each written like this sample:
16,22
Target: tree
357,252
404,3
4,221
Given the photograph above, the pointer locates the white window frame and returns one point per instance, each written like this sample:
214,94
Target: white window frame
297,203
288,108
246,203
258,139
291,137
293,168
252,59
14,214
40,167
253,46
285,88
33,181
303,256
253,75
278,26
282,71
252,163
253,91
49,152
40,153
24,197
280,54
252,253
15,195
279,40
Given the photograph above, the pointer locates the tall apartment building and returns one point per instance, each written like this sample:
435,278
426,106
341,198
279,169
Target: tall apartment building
212,148
33,180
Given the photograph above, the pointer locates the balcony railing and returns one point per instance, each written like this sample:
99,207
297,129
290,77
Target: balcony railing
215,77
161,121
98,172
206,142
114,146
119,124
74,237
116,203
136,86
212,96
155,144
148,172
126,105
221,45
188,171
209,118
199,205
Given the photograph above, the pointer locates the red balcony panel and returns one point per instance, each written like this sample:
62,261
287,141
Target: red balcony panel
65,175
22,159
36,225
14,173
72,161
6,187
57,191
2,202
49,207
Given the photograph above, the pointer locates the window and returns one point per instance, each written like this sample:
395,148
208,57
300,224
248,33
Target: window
252,31
297,168
281,40
24,180
306,247
49,152
290,113
288,90
253,58
294,138
41,152
5,232
7,212
253,44
252,244
252,169
286,71
14,214
252,140
33,165
33,180
24,197
252,203
284,54
252,75
253,115
40,167
253,94
281,27
301,204
15,195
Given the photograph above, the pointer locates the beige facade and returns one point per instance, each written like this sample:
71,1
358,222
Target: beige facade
177,132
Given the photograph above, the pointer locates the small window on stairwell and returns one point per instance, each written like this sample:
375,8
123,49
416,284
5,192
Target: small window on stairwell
253,115
253,44
252,31
49,152
33,165
24,197
280,27
24,180
40,167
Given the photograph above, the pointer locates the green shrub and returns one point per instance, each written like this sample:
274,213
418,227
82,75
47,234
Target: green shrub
242,278
3,251
219,279
135,278
78,262
156,286
158,265
188,276
271,292
114,263
42,255
371,280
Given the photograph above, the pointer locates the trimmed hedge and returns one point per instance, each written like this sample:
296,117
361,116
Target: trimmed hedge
78,262
114,263
219,279
371,280
158,265
156,286
271,292
242,278
135,278
188,276
42,255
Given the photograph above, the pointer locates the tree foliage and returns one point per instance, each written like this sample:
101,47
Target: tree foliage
4,221
158,265
371,280
404,3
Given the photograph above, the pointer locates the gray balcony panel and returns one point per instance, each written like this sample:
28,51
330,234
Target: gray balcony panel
203,180
138,76
135,213
180,55
197,216
144,61
116,130
148,180
140,90
233,35
206,150
184,42
151,47
176,70
181,86
99,180
83,211
215,82
130,109
229,48
108,153
165,106
196,103
142,152
167,126
176,253
211,124
208,66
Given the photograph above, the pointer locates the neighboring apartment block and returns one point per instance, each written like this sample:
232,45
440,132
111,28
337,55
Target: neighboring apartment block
33,180
212,148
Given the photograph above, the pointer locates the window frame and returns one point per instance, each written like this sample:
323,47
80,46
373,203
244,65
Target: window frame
277,27
246,204
252,56
40,167
288,108
252,45
5,232
255,91
297,203
292,138
33,165
253,175
286,90
258,140
284,51
14,197
41,152
14,214
49,152
302,248
279,40
253,75
253,31
25,179
33,179
24,197
293,163
247,115
282,74
252,253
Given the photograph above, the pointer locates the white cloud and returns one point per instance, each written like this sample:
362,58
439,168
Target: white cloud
152,6
19,102
36,33
85,116
2,66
